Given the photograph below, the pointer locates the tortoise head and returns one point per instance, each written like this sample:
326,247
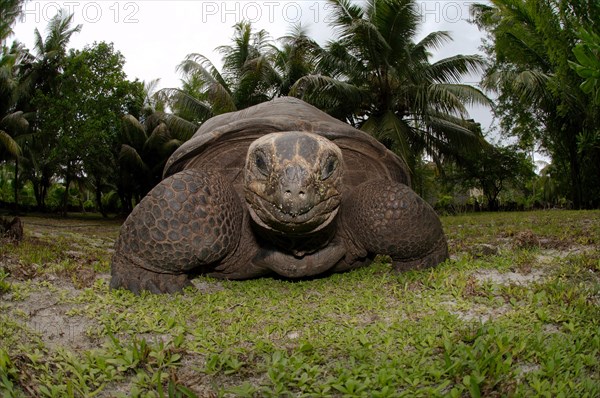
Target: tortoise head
292,181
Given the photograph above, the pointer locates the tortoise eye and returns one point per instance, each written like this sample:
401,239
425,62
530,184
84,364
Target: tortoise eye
329,167
261,163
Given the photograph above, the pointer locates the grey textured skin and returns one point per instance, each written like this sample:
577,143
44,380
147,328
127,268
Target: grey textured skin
279,188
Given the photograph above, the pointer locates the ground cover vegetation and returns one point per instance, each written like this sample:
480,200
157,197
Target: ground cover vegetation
75,133
514,312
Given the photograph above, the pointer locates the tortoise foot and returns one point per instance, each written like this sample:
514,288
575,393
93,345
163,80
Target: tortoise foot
139,279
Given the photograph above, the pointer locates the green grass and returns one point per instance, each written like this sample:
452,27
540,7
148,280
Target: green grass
522,321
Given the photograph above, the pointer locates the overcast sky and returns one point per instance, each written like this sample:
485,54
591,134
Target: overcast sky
155,35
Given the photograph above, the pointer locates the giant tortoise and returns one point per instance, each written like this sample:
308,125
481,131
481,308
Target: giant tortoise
278,188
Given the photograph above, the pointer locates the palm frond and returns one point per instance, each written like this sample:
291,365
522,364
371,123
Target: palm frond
328,93
170,146
59,32
9,145
455,69
183,103
530,85
397,20
214,85
38,43
159,136
337,62
180,128
434,40
448,135
130,159
15,122
390,127
133,133
343,13
199,64
452,98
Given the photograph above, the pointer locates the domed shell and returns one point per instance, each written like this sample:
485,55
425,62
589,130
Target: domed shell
221,143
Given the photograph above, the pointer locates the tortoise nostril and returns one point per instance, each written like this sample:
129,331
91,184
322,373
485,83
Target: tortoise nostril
293,192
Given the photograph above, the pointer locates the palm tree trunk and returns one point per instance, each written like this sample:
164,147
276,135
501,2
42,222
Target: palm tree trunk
38,193
99,196
16,182
575,176
66,194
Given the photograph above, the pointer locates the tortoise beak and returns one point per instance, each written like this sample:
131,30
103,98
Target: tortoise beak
297,193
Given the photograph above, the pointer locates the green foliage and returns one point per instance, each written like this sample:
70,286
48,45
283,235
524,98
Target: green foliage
493,168
532,51
247,77
587,52
73,101
374,75
4,286
145,146
10,11
95,94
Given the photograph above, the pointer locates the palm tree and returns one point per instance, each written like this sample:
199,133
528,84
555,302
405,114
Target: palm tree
10,11
377,78
146,143
11,120
295,59
247,77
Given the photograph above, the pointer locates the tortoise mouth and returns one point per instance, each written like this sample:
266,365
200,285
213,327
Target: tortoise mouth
307,220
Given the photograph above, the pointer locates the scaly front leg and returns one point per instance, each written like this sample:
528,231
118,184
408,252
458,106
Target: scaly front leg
385,217
189,222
